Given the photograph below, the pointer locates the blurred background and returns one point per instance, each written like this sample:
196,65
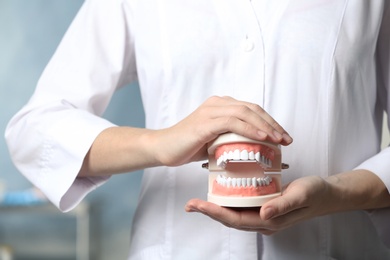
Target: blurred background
29,34
99,228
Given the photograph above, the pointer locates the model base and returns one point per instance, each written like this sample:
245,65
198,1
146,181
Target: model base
241,202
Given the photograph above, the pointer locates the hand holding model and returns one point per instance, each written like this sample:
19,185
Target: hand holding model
299,200
303,199
182,143
217,115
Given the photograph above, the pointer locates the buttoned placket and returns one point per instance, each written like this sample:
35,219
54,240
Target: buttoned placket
263,19
250,60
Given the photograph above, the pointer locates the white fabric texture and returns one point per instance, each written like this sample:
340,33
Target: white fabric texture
320,68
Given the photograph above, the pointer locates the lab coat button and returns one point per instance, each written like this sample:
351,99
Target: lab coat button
248,45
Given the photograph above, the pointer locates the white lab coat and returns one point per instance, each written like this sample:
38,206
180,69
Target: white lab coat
320,68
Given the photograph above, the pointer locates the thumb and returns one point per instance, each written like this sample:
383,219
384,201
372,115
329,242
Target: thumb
278,206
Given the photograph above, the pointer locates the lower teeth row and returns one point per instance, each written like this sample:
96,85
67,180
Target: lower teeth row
243,182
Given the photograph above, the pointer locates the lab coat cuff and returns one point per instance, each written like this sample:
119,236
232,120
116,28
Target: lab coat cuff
79,189
380,220
70,140
380,165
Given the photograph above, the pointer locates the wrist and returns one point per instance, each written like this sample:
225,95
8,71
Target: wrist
150,143
161,147
358,190
339,196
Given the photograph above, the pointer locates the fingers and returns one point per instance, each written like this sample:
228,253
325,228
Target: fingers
246,119
293,198
247,220
216,116
275,208
301,199
261,112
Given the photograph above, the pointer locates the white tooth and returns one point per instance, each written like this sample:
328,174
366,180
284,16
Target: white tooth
254,182
223,163
251,155
257,157
262,182
219,179
263,159
224,181
230,155
236,154
266,179
244,155
243,182
248,182
219,161
258,181
225,156
229,182
234,182
238,182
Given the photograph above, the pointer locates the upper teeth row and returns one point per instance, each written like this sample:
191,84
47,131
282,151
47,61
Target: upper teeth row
243,182
243,155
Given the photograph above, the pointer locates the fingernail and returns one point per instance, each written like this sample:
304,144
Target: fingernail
277,135
287,138
269,212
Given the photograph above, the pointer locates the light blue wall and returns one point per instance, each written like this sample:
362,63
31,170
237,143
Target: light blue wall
29,33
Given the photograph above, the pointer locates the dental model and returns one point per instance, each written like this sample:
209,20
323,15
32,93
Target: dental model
238,165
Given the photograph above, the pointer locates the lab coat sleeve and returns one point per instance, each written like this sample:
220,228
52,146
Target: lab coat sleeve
380,163
50,136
